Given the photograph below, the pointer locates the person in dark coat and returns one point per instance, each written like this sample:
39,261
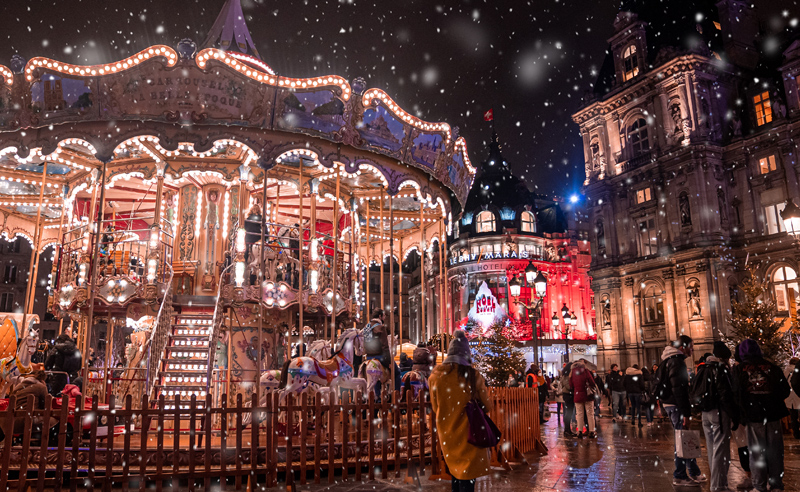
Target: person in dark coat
674,394
63,358
421,360
31,384
405,364
634,388
582,385
759,389
616,388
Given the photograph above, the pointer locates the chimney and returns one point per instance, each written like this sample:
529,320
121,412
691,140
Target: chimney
739,27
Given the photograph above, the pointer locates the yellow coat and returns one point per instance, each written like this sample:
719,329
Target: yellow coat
449,398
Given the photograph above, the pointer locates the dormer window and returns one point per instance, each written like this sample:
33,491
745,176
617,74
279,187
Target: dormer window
485,222
763,108
528,222
630,63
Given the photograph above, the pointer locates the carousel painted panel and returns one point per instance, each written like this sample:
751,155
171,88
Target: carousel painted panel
8,110
186,94
319,112
383,131
424,149
56,98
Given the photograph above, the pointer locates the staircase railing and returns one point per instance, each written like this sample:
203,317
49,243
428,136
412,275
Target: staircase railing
158,338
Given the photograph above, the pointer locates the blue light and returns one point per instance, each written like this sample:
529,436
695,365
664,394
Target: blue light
574,199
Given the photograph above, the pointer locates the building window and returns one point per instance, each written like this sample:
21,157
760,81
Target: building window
637,137
630,63
767,164
648,240
772,218
528,222
644,195
485,222
10,275
6,302
763,108
784,287
653,305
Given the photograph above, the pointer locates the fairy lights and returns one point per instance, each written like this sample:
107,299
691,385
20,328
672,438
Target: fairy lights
41,62
8,75
461,146
379,96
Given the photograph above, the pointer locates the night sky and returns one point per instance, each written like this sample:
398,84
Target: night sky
448,61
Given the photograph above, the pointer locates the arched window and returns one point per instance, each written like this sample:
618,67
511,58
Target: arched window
784,287
652,305
637,137
485,222
630,63
528,222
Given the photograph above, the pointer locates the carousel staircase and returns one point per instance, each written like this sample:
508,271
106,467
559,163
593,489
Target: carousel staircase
185,363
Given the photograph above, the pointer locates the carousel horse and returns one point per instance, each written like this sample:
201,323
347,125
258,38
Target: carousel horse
415,381
318,349
309,375
11,368
373,371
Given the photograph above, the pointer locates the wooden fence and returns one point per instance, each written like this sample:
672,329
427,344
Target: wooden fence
300,441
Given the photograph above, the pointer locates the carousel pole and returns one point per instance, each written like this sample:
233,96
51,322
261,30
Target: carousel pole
446,301
380,256
335,255
260,278
87,332
33,268
367,291
301,350
391,282
423,325
442,299
400,290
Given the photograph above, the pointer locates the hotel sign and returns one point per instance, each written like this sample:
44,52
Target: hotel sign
512,255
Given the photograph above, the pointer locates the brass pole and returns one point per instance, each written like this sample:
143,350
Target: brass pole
442,299
33,269
423,325
301,350
391,281
380,256
367,291
260,278
335,255
446,282
95,260
400,290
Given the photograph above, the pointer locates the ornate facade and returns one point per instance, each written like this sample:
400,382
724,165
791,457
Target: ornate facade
690,155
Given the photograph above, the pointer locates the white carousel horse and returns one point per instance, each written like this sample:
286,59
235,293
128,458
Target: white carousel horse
374,373
318,349
11,368
308,375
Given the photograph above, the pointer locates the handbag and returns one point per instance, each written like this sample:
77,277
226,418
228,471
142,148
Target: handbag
483,433
687,444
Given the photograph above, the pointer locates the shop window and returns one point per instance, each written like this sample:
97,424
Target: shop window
644,195
630,63
528,222
6,302
485,222
648,239
767,164
784,288
763,108
773,223
638,142
652,305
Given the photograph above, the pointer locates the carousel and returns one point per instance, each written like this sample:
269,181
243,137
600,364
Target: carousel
208,216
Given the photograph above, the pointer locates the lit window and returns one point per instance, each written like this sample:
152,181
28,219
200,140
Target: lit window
767,164
630,63
648,240
784,287
772,218
653,305
485,222
644,195
528,222
763,108
637,137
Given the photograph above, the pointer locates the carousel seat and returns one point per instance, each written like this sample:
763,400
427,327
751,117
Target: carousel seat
8,339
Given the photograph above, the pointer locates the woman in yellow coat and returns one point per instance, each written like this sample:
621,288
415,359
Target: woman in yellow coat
453,384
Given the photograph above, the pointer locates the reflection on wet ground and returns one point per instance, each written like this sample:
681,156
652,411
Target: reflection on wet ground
623,458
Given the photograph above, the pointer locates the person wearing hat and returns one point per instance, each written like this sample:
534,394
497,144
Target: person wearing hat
713,394
452,385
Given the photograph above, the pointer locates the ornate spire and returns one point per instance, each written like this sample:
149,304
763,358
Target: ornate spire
230,29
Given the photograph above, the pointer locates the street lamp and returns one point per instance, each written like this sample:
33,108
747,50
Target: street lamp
791,218
514,286
539,281
530,272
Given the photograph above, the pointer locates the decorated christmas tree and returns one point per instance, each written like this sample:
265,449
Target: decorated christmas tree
496,357
755,317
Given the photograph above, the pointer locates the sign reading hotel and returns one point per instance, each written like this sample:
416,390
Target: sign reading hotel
486,311
512,255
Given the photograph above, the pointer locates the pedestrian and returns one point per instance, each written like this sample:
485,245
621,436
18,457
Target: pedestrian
602,392
634,387
646,400
453,384
559,398
584,389
65,361
712,393
655,402
616,386
569,402
760,389
672,388
793,402
739,436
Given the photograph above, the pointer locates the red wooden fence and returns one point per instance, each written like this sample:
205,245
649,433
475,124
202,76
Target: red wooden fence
299,440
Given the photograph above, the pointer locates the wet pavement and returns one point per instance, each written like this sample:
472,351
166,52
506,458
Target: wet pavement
623,458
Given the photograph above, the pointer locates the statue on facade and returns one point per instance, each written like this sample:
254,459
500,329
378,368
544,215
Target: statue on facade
695,310
677,116
723,206
601,237
685,210
606,312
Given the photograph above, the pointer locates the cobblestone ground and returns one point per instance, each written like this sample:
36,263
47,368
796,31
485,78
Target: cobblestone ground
623,458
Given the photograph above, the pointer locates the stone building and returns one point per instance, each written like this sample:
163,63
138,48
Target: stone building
690,156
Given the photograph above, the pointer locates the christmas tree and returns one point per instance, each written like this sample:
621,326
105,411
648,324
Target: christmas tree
755,317
497,357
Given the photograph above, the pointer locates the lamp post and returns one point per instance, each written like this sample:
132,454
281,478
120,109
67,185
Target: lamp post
533,277
570,322
555,321
791,218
